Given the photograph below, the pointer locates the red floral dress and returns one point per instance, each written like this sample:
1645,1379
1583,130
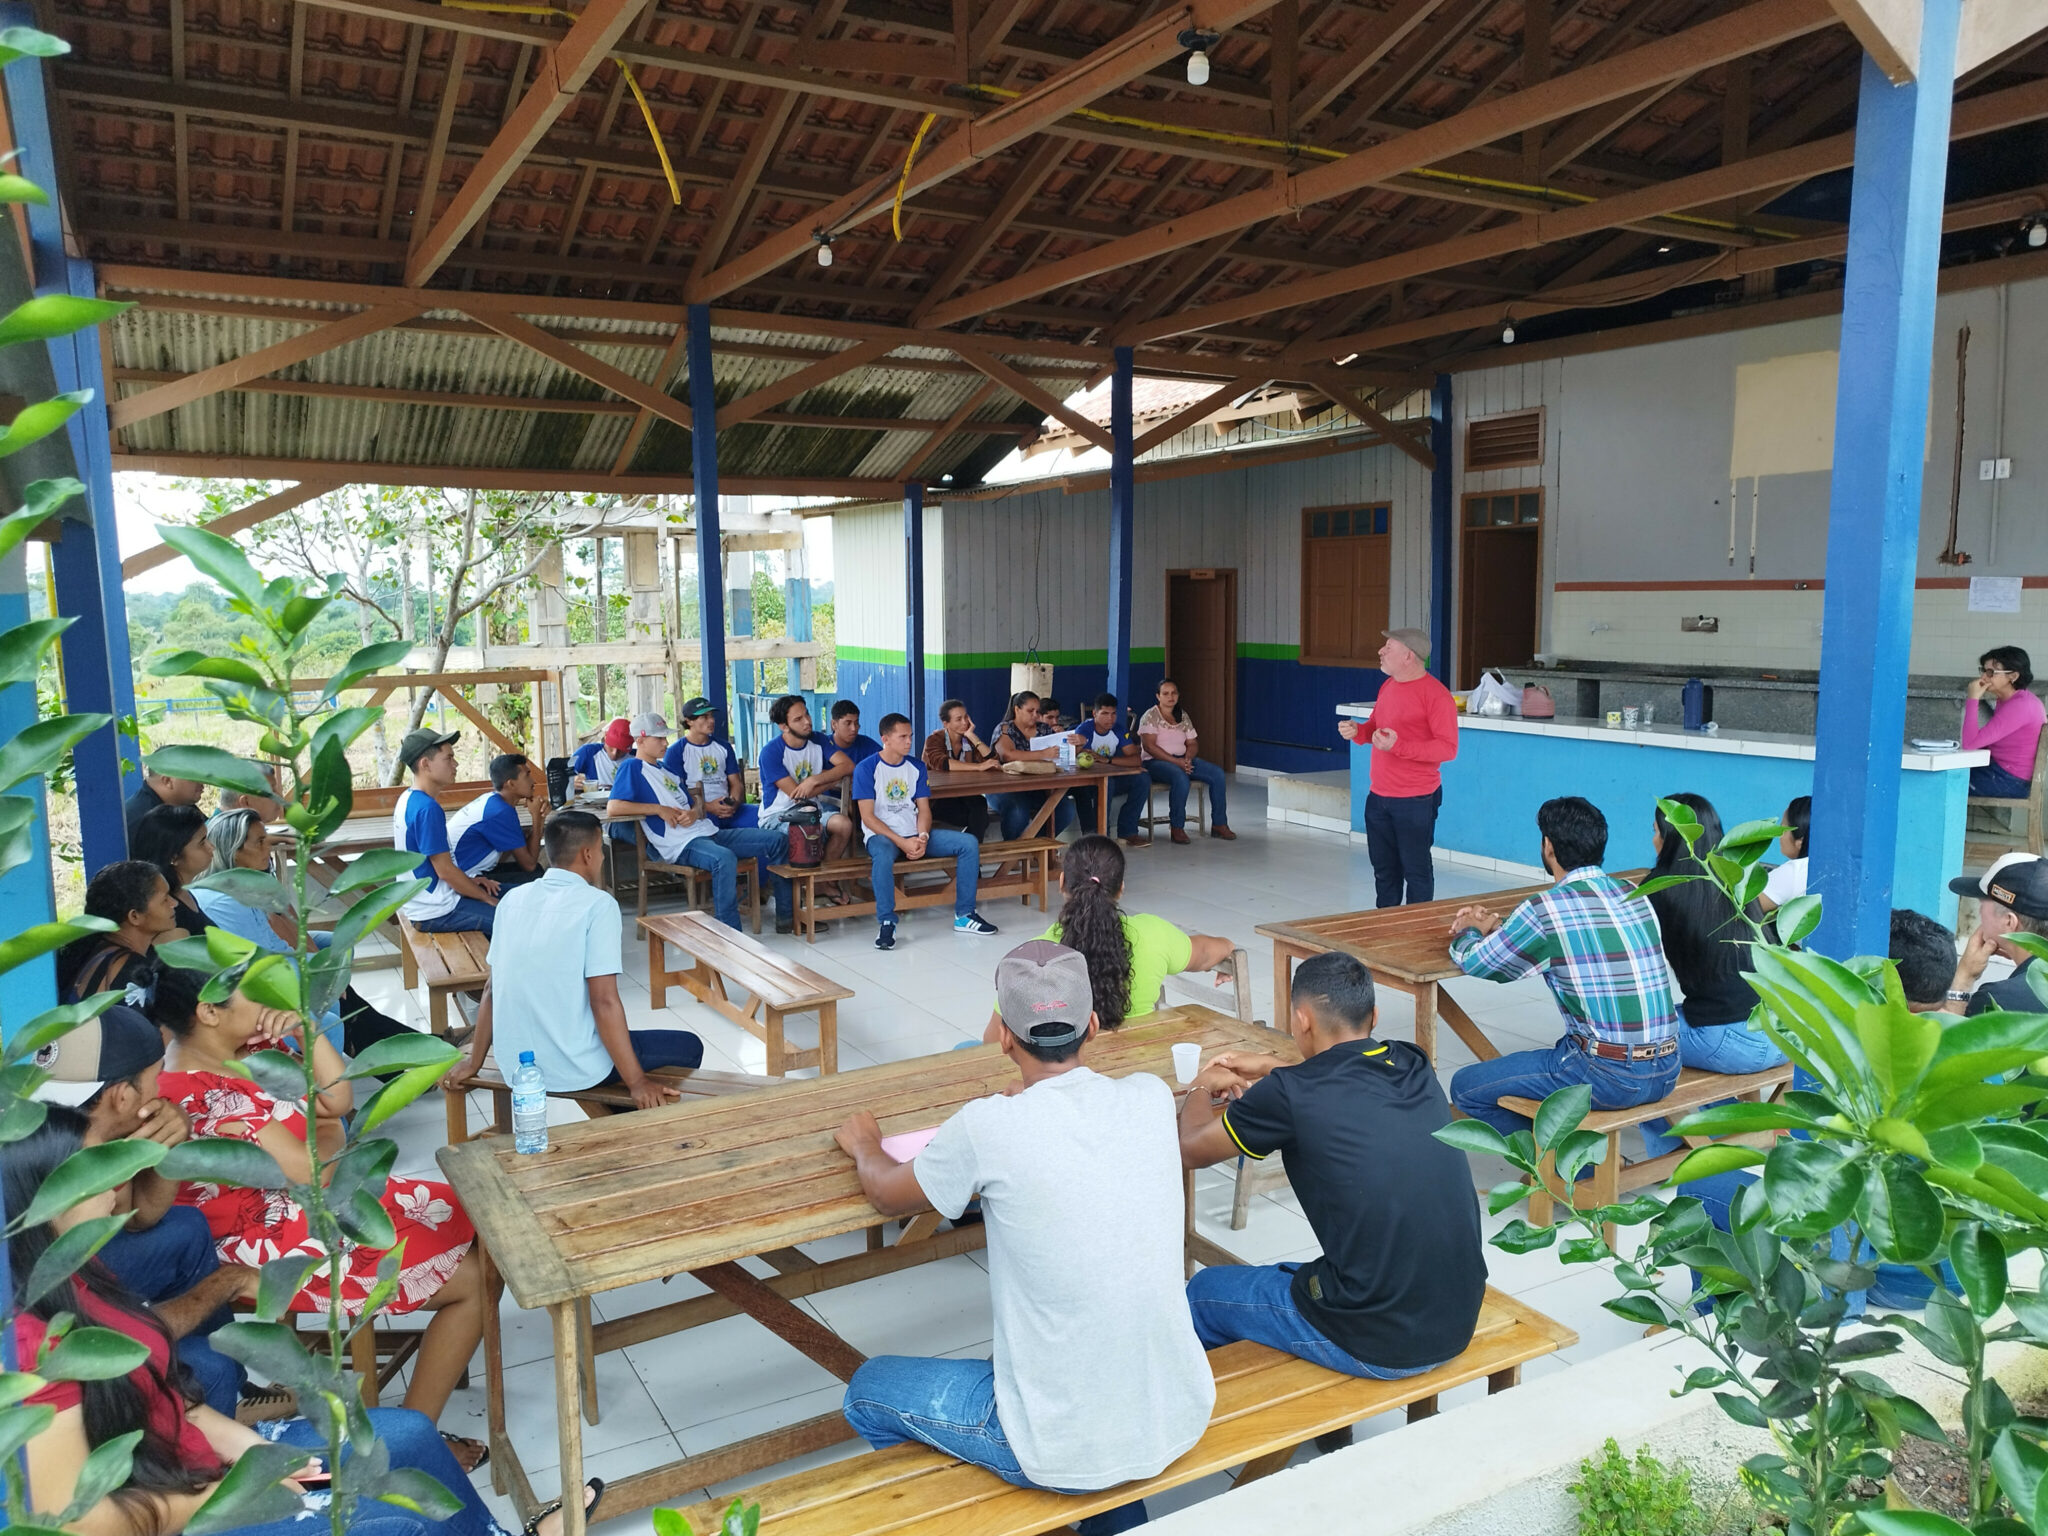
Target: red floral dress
254,1226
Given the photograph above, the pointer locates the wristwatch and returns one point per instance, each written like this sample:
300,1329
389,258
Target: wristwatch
1958,997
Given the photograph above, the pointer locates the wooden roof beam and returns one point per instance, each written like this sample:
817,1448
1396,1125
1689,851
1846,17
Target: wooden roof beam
231,523
1401,435
462,477
747,407
1684,53
974,242
1188,416
944,434
1035,397
1380,36
563,70
1108,67
576,360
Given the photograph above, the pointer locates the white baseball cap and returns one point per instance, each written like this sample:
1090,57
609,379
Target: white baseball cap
649,724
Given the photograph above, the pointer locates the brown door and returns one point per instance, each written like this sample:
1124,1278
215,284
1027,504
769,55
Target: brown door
1201,656
1500,583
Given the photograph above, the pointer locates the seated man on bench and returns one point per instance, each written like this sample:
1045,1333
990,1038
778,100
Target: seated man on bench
554,987
1601,953
677,827
895,803
452,901
487,834
1398,1288
1098,1377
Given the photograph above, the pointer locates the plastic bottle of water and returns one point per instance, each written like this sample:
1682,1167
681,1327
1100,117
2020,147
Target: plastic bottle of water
529,1107
1067,752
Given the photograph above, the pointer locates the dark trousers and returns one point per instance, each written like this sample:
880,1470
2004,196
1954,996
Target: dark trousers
658,1048
968,812
1398,833
1998,783
162,1263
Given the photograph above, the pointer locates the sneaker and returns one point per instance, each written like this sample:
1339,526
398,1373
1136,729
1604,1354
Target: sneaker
785,925
974,922
886,938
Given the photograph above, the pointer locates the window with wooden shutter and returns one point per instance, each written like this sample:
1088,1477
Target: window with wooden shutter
1504,442
1345,583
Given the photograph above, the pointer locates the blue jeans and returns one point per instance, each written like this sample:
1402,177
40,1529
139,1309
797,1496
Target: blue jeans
707,854
964,851
1478,1089
412,1441
1400,830
1129,794
658,1048
1256,1302
950,1405
1990,779
510,876
745,816
765,846
1017,809
1732,1049
468,916
1176,784
163,1262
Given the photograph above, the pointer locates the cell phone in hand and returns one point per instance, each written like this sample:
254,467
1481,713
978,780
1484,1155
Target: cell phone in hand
313,1475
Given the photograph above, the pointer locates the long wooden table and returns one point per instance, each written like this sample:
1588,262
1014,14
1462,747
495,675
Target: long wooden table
1055,786
1406,948
696,1187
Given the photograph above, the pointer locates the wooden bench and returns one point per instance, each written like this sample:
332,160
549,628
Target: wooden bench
692,1084
1610,1178
775,985
448,962
1268,1405
1033,858
696,882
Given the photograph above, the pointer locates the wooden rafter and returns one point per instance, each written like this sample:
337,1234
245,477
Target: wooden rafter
1682,53
1032,395
1378,37
223,376
459,47
231,523
563,69
671,360
488,477
576,360
1187,416
747,407
1401,435
944,433
974,243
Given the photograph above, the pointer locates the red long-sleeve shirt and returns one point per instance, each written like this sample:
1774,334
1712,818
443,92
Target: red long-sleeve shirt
1424,719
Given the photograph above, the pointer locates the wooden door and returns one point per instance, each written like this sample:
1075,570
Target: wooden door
1500,585
1201,655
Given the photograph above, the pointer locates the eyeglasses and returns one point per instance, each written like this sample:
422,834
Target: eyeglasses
1996,672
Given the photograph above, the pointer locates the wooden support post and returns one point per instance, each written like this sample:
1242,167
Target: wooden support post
547,621
704,469
1123,500
1895,208
913,606
1441,516
644,621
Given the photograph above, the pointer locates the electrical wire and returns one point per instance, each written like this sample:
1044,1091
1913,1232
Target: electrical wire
668,169
903,181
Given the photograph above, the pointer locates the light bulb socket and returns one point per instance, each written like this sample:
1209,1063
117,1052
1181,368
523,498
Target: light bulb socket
1199,43
824,243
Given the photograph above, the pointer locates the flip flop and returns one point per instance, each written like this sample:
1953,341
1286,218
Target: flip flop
460,1446
596,1487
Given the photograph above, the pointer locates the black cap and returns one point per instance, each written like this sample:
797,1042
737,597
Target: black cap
2017,880
419,743
699,706
118,1044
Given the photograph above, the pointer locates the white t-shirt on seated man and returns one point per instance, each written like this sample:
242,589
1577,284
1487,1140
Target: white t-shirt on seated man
554,987
1098,1377
675,820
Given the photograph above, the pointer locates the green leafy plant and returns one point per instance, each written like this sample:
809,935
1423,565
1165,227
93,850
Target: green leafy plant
1620,1497
740,1520
1903,1145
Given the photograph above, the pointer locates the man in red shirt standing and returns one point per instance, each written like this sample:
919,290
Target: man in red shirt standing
1414,730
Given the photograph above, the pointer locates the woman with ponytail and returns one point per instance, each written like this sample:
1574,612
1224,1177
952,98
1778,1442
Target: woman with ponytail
1129,955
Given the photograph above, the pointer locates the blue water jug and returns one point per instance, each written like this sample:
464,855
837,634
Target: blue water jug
1697,703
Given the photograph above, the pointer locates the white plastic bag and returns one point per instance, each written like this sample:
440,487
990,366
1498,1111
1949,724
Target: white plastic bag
1495,690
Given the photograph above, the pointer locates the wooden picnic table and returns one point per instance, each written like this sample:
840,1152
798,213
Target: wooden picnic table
1406,948
696,1187
957,786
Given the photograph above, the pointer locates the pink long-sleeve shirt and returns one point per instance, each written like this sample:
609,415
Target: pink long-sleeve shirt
2010,735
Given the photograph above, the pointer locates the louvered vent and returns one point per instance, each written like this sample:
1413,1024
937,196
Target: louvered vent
1505,442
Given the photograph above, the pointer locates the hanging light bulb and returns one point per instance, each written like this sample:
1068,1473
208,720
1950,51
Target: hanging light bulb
1198,43
2037,234
1507,334
1198,68
824,247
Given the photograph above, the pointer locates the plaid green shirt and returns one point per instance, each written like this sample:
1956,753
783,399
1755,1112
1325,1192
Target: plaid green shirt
1600,951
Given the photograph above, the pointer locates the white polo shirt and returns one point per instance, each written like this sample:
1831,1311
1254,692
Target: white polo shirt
549,938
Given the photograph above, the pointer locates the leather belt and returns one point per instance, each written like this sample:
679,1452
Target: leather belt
1607,1052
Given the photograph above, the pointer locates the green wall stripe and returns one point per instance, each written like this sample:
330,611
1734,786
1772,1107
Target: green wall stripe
990,661
1259,650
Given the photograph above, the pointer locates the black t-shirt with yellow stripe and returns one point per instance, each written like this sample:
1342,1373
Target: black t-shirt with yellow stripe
1403,1272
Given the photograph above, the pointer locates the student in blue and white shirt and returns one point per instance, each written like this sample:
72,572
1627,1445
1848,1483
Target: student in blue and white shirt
595,762
895,802
677,829
708,769
792,773
1097,733
486,833
453,902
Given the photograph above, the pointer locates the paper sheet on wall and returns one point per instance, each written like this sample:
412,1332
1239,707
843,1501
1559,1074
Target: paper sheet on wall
1994,594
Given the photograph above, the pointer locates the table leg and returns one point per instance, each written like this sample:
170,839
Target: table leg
588,1348
1284,956
1462,1026
1187,1193
781,1317
828,1039
1053,796
1102,808
494,1366
1425,1019
570,1369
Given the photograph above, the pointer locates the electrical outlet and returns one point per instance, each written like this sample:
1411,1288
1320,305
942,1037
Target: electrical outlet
2005,469
1700,624
1987,469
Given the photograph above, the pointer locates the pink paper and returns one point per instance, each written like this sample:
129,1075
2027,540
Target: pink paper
906,1146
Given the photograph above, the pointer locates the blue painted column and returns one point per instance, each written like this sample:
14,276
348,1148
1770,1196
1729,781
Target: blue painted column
26,895
740,599
913,608
1442,525
704,483
1123,501
1874,497
98,674
796,608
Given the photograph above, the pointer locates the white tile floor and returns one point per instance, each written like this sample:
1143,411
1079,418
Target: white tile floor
722,1382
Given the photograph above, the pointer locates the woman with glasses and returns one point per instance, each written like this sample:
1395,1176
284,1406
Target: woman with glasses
2004,681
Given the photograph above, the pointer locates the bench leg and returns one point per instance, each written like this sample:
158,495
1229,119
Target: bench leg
501,1111
1266,1465
775,1046
657,970
1241,1201
408,961
1541,1206
1500,1381
458,1118
828,1039
1606,1183
437,1010
1422,1408
362,1358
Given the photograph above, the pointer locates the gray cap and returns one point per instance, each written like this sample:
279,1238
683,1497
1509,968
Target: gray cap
649,724
1416,640
1042,992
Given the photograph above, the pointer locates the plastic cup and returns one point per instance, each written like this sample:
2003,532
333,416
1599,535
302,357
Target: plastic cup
1628,717
1187,1061
1614,719
1649,713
